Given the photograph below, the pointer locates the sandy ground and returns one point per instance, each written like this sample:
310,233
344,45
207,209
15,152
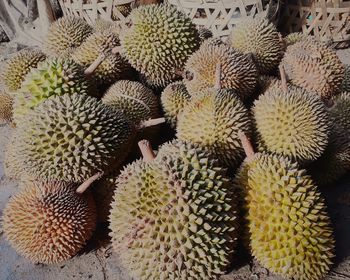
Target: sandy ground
97,261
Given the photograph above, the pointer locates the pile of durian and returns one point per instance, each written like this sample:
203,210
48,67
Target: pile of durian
253,127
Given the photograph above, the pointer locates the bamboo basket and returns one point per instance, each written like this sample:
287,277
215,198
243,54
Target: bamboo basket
220,16
90,10
327,20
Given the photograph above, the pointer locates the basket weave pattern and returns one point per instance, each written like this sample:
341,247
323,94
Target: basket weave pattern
91,10
220,15
326,20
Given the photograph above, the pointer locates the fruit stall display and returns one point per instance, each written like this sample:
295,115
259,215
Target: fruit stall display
183,144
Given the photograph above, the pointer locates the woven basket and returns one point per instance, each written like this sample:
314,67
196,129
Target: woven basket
90,10
221,15
326,20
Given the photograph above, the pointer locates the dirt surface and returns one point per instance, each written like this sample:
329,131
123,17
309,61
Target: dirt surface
98,262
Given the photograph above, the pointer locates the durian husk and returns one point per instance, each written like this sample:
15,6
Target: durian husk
238,72
346,80
47,222
174,217
213,121
174,99
289,227
260,38
159,41
66,34
6,107
17,67
315,67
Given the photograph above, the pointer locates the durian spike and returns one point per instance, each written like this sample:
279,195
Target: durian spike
88,71
84,186
218,76
283,78
146,150
151,122
247,145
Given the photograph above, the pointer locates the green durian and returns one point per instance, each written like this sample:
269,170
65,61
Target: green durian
53,77
71,138
292,123
48,222
174,217
315,67
66,34
295,37
159,41
213,121
289,228
18,66
174,99
260,38
113,67
238,71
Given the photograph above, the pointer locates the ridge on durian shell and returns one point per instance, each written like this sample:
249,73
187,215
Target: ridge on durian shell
295,123
150,25
18,66
315,67
297,239
238,71
260,38
135,100
72,137
213,120
188,231
66,34
47,222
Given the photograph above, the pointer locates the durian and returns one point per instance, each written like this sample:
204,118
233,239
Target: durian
18,66
53,77
295,37
335,161
66,34
291,122
174,217
6,106
159,42
174,99
289,228
137,102
238,70
113,67
346,79
48,222
315,67
260,38
213,121
71,137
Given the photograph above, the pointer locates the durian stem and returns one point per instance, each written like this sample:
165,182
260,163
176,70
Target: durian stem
146,150
151,122
84,186
283,78
218,76
91,69
247,145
